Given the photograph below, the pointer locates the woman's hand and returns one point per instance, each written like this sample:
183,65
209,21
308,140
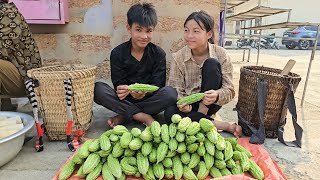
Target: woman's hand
137,95
210,97
185,107
122,91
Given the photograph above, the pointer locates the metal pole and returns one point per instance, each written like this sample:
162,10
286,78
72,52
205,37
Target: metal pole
244,54
310,63
244,25
241,22
259,3
250,26
259,47
230,35
224,22
289,15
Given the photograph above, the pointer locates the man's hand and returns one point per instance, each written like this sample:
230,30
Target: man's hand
210,97
137,95
185,107
122,91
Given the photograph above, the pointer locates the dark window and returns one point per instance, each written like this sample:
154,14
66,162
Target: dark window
237,27
311,28
258,22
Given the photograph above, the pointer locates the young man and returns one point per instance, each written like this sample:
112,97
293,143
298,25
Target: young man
136,61
18,53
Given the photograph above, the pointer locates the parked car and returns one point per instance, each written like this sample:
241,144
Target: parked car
300,32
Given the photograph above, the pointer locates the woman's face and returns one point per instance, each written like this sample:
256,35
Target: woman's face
194,36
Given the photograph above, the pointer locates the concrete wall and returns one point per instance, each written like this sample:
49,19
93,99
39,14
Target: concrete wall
97,26
302,11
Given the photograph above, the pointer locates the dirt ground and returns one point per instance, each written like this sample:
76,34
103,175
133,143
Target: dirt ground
278,59
296,163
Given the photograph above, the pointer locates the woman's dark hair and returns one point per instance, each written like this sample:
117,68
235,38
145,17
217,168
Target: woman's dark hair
204,20
143,14
5,1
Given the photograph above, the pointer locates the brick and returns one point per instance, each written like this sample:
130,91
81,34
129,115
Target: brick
74,19
169,23
103,70
125,38
130,2
73,61
193,3
167,72
77,15
83,3
52,62
117,20
45,41
90,42
177,45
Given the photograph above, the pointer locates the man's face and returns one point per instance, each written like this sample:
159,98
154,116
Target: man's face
141,36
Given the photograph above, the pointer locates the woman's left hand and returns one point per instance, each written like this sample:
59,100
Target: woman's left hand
186,108
210,97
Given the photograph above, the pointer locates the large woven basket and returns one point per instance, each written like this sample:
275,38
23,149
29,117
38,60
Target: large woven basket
51,97
276,105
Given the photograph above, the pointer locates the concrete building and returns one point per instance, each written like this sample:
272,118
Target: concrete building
302,11
97,26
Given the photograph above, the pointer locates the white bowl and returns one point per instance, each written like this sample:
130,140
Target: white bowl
10,146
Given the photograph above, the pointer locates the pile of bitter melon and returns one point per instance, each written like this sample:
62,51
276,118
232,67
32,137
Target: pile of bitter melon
184,149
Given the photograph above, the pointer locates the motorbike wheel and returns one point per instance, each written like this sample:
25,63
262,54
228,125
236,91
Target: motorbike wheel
239,44
253,44
272,46
276,45
256,45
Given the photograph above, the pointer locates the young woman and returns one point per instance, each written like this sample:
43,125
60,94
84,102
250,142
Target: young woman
202,67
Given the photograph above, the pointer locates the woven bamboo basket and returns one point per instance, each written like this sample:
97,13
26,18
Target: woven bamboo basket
276,100
51,97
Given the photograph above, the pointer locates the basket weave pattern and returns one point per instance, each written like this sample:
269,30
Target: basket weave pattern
276,106
51,97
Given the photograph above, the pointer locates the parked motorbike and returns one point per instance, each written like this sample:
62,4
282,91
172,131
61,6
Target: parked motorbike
245,42
268,43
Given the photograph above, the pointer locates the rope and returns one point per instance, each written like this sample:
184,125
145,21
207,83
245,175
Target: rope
73,145
34,103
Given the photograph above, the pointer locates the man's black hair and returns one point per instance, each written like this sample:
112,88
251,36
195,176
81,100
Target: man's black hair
143,14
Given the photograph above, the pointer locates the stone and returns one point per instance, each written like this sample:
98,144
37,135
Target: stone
90,42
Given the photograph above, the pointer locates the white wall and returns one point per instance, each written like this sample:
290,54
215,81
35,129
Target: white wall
302,11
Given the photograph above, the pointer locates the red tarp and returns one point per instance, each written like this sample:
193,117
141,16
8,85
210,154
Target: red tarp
260,156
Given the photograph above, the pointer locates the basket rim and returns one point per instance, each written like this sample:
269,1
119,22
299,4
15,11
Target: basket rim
42,70
273,73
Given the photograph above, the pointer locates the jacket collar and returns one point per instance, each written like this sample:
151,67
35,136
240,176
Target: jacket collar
188,54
